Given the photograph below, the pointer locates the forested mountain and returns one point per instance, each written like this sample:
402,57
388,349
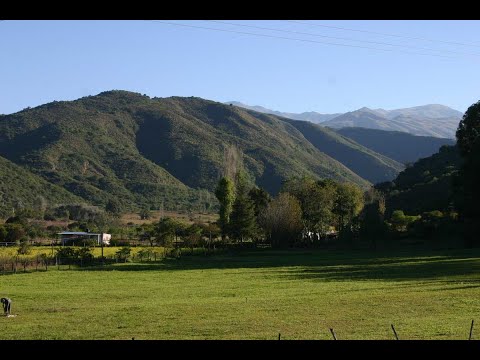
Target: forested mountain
365,162
144,151
20,188
427,185
400,146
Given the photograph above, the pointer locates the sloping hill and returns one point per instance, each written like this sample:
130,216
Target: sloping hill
425,186
88,147
200,129
145,151
400,146
365,162
20,188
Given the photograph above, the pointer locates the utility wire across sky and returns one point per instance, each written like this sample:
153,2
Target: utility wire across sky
298,39
341,38
379,33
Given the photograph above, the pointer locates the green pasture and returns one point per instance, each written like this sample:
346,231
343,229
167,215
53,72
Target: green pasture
252,295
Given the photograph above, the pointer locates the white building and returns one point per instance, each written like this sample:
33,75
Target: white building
78,236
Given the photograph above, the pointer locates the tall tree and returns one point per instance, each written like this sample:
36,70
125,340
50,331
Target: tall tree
469,129
348,204
372,225
283,220
167,230
242,220
260,199
467,189
225,194
232,161
317,201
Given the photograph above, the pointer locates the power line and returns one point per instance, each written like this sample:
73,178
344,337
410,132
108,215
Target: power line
296,39
340,38
379,33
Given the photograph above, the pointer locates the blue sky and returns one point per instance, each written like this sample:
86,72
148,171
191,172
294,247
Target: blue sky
42,61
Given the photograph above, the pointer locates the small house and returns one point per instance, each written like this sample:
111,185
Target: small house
79,238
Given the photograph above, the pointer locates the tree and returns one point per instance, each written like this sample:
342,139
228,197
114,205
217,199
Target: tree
146,232
400,221
123,253
210,231
372,225
467,191
232,161
3,233
24,248
113,207
14,233
242,220
318,211
260,199
40,205
193,236
468,129
145,213
282,220
226,196
167,230
317,199
348,204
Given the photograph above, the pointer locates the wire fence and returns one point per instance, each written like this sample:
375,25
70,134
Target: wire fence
76,258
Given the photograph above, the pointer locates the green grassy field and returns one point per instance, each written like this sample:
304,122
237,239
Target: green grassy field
300,294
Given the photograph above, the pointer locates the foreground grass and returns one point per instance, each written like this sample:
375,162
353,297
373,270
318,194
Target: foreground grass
252,296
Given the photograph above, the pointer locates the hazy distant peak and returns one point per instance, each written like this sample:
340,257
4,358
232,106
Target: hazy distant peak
311,116
428,120
365,109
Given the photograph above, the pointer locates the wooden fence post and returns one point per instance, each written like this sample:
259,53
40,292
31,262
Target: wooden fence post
394,332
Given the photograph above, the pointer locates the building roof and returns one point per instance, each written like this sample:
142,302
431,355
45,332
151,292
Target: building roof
77,233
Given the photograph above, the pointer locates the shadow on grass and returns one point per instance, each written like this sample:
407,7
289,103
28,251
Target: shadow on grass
329,265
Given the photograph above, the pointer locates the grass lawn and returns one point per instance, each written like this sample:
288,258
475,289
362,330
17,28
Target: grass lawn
253,295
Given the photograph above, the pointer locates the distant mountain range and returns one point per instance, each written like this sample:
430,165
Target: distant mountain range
311,116
427,120
147,151
400,146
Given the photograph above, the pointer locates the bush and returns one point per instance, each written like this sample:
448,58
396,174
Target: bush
24,248
123,254
84,254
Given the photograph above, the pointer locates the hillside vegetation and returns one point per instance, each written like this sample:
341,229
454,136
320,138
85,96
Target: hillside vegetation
400,146
425,186
365,162
20,188
146,151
